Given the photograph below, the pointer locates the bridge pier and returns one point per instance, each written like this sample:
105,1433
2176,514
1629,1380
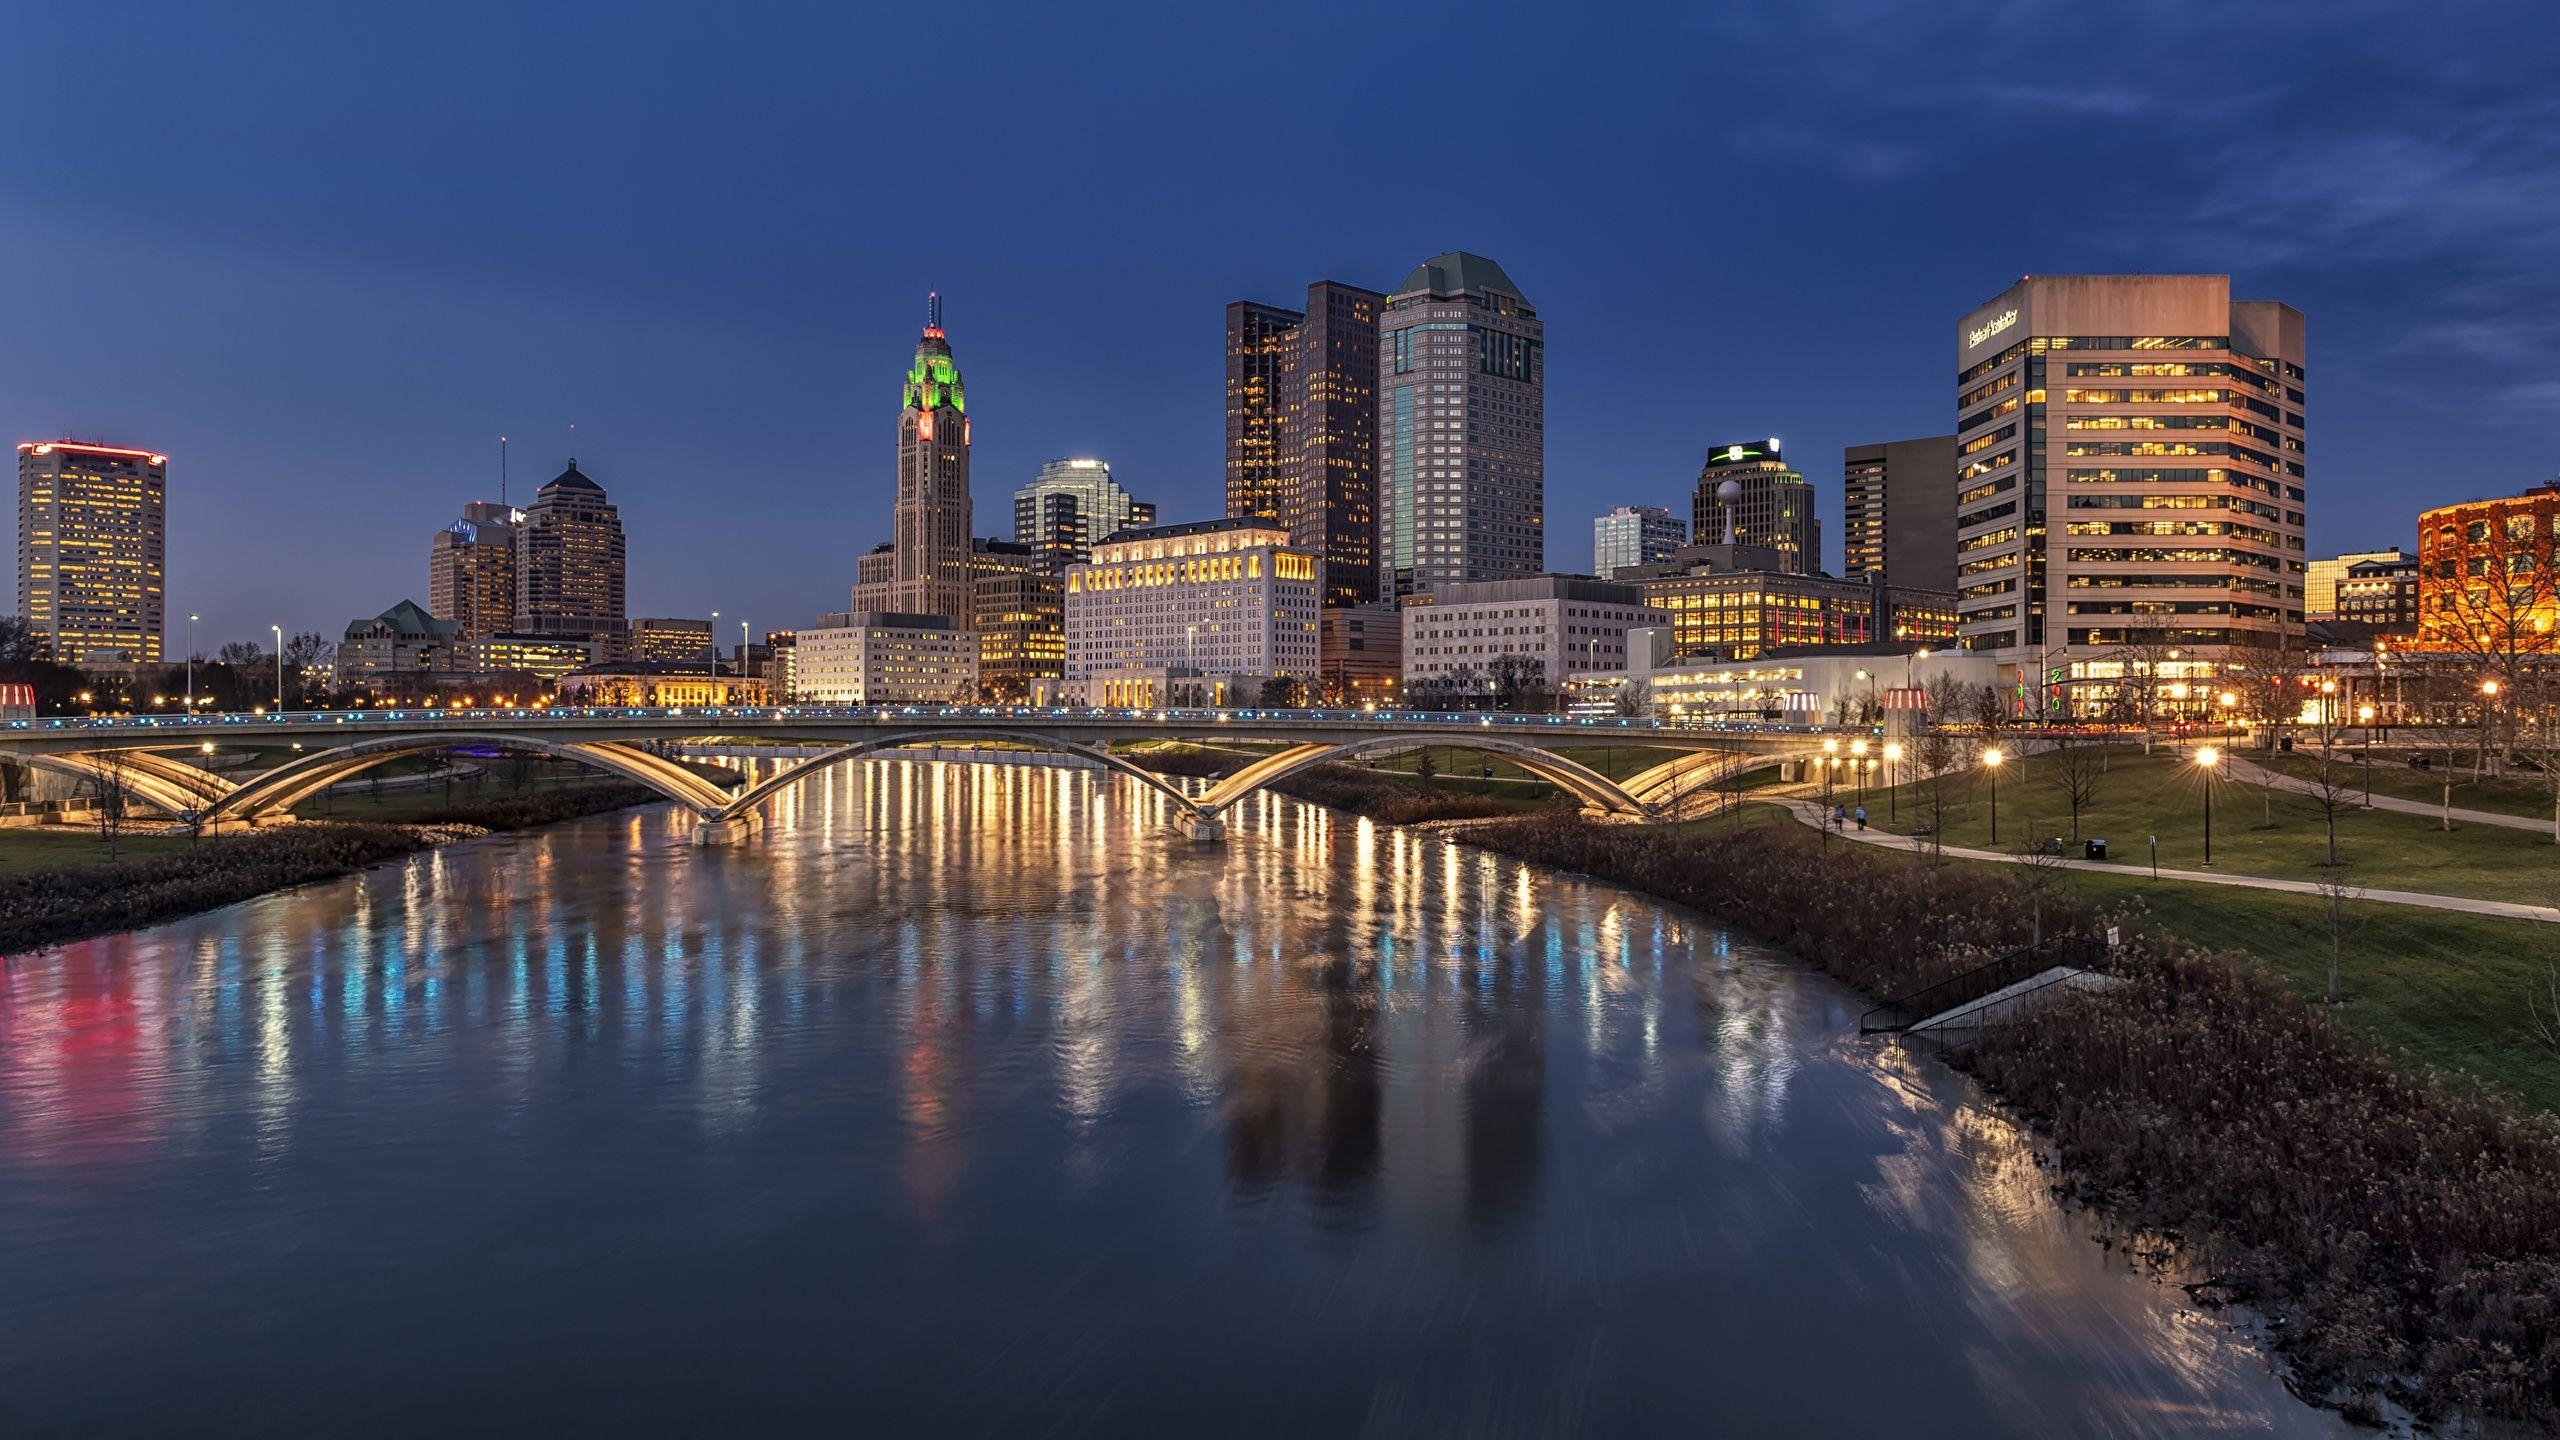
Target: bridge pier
1202,829
729,830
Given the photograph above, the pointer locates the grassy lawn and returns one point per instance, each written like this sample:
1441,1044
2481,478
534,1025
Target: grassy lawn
2256,830
2450,989
397,807
40,849
2527,795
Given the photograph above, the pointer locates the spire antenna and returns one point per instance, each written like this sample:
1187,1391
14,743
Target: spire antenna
933,310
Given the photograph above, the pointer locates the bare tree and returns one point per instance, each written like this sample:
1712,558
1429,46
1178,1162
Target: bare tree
2047,874
109,788
2334,785
2493,618
2075,766
2143,655
1935,752
1635,696
2341,915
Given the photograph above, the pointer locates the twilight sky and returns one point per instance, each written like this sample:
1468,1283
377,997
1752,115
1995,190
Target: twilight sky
324,255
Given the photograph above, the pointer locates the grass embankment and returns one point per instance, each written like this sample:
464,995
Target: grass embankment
2404,1230
2257,830
62,887
2526,795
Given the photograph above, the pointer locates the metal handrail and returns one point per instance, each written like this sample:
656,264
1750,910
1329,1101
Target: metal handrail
1902,1011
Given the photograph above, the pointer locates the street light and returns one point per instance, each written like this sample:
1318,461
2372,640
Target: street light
1892,782
714,647
2364,719
1991,759
2206,758
279,667
1858,764
1830,759
191,664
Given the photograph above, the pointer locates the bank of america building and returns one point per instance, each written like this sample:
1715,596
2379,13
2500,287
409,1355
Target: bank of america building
2130,466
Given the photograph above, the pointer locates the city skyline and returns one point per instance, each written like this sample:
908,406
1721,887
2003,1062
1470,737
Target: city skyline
296,355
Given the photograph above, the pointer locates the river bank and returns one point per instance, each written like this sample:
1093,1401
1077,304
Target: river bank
175,878
2401,1231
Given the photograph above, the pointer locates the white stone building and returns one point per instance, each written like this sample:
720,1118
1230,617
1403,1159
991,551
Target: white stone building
1215,598
885,658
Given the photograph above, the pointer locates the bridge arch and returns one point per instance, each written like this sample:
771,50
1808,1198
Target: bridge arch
298,780
1593,789
757,794
156,780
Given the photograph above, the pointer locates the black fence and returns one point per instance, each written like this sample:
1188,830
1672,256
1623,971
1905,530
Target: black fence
1903,1011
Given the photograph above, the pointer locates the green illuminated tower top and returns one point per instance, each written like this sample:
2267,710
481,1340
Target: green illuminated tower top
933,382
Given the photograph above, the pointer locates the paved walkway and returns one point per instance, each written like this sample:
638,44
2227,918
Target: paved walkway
1811,813
2260,775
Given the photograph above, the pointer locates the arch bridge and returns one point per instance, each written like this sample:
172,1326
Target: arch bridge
147,759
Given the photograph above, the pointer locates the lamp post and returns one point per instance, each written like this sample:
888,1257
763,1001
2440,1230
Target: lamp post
2206,758
714,647
1892,782
1991,759
1830,760
191,664
2364,719
743,647
279,667
2488,726
1858,766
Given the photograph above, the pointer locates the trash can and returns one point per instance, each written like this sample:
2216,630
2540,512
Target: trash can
2285,744
2095,849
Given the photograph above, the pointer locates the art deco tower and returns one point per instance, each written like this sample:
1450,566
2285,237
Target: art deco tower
930,534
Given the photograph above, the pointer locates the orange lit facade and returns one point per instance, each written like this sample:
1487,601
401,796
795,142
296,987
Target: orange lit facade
2485,573
93,550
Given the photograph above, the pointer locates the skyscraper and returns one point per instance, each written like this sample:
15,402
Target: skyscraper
2116,399
471,570
1021,620
1332,506
93,550
1898,514
569,562
1634,535
1302,428
929,534
1071,506
1461,428
1262,343
1770,505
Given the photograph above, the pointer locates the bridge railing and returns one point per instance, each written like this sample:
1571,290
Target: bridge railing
1963,988
198,725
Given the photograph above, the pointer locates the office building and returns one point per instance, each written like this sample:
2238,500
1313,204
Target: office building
1216,597
471,569
782,664
1567,625
654,682
402,643
569,562
93,551
547,657
886,658
2320,580
928,570
1021,620
1898,512
1261,346
1070,505
658,640
1360,649
2381,595
1461,428
1302,428
1748,495
2487,582
1722,610
2165,420
1634,535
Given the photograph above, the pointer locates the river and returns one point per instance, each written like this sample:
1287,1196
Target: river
974,1101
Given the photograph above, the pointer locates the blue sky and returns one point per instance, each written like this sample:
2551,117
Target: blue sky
325,255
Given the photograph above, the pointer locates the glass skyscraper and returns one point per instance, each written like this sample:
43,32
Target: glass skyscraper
1461,427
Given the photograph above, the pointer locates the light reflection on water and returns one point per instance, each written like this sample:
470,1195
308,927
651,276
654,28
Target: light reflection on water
974,1100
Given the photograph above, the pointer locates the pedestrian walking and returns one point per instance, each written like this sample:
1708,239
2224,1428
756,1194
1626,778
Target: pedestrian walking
1862,817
